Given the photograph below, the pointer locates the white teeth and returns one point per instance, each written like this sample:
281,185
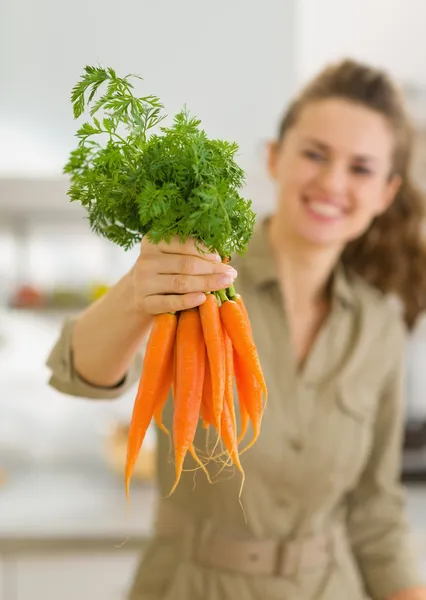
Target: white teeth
326,210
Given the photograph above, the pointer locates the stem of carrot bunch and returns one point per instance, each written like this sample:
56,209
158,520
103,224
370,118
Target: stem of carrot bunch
231,293
219,301
222,296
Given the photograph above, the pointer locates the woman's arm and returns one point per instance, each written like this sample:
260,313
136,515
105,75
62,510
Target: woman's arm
378,530
411,594
94,353
107,336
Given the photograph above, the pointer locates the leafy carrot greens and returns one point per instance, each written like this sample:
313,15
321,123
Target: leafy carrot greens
136,176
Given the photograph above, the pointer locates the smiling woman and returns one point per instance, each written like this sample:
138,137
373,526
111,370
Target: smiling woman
341,154
322,495
345,146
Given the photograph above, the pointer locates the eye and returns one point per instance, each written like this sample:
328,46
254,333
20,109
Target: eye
312,155
360,170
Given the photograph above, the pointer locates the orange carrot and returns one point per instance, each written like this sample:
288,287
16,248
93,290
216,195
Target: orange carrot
229,434
190,366
166,384
239,300
250,397
249,392
207,399
229,381
155,367
232,295
241,337
245,419
212,331
244,415
174,365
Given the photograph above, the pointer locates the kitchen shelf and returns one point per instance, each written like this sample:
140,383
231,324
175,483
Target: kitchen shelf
36,198
54,312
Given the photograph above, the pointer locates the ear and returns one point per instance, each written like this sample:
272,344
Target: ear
390,192
272,158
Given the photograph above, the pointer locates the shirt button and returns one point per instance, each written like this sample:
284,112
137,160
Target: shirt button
297,445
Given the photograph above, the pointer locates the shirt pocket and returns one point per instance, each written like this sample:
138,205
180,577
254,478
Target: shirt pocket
350,430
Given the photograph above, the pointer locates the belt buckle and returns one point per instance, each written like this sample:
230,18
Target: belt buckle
288,558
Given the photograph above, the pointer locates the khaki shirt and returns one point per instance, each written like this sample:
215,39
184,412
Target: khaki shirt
328,460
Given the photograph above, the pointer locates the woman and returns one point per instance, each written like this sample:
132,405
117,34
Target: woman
322,497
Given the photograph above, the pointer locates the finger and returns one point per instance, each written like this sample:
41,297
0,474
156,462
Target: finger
188,284
188,247
186,264
159,304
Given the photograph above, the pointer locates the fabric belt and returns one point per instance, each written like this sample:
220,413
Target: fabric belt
264,557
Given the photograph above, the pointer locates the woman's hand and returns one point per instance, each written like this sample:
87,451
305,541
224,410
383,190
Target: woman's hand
165,278
410,594
175,276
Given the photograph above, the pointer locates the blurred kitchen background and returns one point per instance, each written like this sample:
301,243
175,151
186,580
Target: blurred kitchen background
65,530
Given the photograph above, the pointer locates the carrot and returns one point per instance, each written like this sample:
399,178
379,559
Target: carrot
165,386
212,331
190,366
244,415
242,339
158,415
249,391
207,400
250,397
155,368
174,366
229,381
229,434
239,300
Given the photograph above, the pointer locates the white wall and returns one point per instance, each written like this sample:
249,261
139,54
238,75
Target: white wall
390,33
230,61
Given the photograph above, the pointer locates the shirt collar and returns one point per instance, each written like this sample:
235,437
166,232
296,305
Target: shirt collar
261,268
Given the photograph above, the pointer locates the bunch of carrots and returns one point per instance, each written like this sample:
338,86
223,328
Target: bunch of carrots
198,354
134,178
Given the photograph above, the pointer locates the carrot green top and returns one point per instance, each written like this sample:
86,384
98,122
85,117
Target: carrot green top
136,177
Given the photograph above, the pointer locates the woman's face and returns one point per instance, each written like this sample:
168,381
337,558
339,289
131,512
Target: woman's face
332,172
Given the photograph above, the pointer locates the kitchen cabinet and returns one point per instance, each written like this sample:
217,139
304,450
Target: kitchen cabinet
81,576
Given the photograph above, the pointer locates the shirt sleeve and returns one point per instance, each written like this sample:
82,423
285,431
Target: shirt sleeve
378,529
65,379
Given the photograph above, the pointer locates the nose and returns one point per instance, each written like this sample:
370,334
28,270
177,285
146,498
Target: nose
333,179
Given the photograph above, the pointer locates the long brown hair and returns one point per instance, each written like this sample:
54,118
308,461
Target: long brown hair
391,254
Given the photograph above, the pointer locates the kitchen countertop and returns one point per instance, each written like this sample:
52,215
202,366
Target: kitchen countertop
66,509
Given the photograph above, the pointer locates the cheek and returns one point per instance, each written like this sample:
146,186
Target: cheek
366,205
295,174
368,198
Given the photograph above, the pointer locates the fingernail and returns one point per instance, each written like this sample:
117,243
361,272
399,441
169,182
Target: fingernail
226,279
231,271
